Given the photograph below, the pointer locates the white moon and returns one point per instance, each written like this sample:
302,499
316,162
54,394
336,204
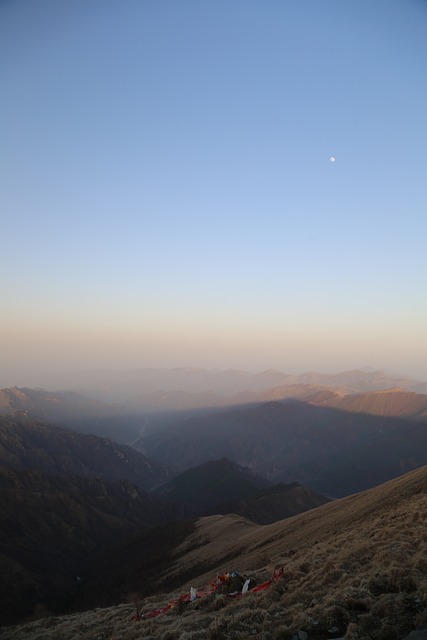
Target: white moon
332,159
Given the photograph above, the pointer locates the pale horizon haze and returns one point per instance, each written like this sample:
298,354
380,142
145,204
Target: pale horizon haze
225,184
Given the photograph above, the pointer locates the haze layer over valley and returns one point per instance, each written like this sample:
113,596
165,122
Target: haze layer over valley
313,428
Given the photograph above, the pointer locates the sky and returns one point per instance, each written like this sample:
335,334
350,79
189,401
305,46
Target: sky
169,195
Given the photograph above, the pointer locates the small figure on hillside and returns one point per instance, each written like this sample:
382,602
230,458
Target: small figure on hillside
235,584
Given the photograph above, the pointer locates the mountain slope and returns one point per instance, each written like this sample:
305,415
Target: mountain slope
51,405
387,402
124,421
355,567
72,410
379,511
273,504
222,486
51,527
26,443
333,451
120,386
211,483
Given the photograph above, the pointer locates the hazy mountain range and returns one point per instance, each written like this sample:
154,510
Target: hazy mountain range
324,437
122,404
332,450
131,386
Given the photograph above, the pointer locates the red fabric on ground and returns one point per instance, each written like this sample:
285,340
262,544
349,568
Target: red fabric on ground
277,575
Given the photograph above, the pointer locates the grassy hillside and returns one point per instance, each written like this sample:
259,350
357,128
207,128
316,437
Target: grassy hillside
354,568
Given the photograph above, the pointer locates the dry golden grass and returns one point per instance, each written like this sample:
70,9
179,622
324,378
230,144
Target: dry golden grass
358,565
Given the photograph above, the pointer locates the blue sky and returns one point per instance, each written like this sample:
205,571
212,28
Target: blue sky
167,196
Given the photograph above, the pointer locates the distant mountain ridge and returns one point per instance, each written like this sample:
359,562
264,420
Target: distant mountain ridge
274,503
334,451
386,402
205,486
312,435
73,410
51,405
122,404
121,386
222,486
